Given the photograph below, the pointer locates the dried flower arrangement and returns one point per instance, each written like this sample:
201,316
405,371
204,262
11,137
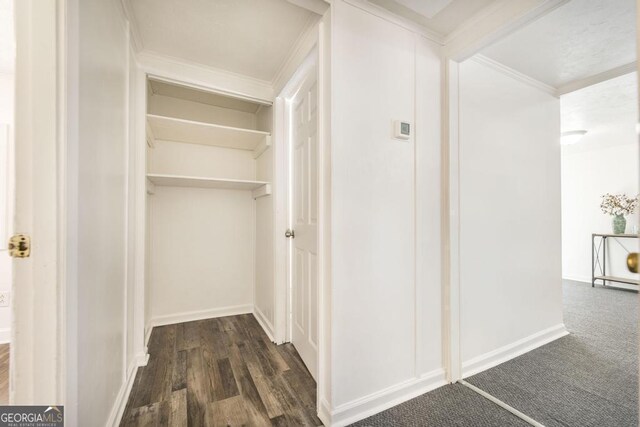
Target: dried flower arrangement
618,204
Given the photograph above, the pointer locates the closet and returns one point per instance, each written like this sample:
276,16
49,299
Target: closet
209,208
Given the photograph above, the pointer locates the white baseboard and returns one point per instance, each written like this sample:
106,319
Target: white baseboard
513,350
577,279
5,335
117,411
264,322
324,412
364,407
147,335
190,316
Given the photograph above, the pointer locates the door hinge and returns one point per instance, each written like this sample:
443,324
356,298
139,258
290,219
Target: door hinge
19,246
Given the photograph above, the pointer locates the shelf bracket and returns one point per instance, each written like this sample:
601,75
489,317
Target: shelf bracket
262,147
265,190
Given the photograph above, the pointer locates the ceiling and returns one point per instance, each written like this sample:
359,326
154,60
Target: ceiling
440,16
7,42
608,111
248,37
575,41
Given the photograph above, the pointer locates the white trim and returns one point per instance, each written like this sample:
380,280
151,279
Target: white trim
513,350
323,395
493,23
298,54
117,411
391,17
190,316
598,78
208,78
134,32
280,206
5,335
517,75
147,334
374,403
324,412
264,322
451,226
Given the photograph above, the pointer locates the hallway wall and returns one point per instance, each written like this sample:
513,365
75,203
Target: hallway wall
97,217
386,301
510,236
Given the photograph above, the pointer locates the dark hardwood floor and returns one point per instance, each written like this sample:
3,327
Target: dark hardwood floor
221,372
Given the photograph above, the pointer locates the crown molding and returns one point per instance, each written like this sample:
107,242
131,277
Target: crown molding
494,22
301,48
598,78
517,75
405,23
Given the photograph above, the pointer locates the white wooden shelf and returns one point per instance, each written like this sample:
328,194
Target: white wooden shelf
180,130
258,188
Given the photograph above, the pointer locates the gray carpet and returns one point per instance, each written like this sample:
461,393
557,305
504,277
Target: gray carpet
589,378
451,405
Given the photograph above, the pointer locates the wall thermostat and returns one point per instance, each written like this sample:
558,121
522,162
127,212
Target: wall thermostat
401,130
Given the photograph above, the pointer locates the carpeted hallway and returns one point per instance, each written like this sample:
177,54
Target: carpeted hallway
588,378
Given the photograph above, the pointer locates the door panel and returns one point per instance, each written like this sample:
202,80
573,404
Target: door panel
304,334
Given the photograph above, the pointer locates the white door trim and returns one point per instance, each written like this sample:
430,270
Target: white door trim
319,55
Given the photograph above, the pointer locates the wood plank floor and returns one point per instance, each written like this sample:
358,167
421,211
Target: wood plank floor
4,374
221,372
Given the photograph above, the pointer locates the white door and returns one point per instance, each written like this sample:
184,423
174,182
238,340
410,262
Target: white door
304,219
36,334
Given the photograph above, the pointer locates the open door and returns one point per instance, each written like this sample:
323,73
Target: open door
304,220
36,342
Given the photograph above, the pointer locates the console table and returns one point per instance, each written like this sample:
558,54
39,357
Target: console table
598,268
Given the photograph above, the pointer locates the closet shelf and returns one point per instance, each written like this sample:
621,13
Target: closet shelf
259,188
180,130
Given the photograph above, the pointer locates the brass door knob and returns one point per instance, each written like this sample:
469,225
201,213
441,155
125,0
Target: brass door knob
632,262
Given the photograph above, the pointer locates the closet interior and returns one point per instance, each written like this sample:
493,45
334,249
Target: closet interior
209,209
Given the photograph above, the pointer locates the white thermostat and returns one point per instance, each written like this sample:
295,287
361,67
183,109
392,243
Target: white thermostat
401,130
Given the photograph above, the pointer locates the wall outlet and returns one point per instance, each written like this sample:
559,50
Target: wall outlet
4,299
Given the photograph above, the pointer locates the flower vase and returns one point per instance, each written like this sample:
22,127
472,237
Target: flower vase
619,224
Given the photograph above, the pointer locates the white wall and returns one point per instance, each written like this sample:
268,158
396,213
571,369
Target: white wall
386,319
510,268
101,203
201,241
586,175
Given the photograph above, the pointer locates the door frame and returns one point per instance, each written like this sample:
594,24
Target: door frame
319,57
40,340
501,22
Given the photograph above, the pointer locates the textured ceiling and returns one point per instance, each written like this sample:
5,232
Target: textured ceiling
248,37
608,112
441,16
577,40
